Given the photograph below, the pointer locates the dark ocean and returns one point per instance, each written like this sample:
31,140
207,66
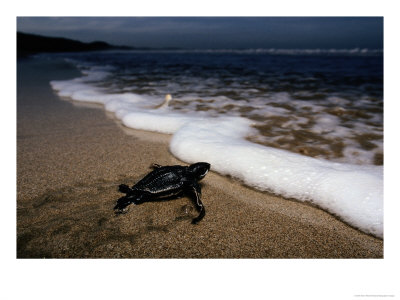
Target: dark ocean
321,103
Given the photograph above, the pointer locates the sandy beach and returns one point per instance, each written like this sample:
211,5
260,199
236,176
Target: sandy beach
72,157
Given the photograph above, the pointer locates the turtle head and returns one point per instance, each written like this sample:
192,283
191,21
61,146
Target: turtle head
199,170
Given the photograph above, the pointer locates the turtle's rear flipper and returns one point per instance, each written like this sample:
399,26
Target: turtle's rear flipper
122,203
123,188
133,196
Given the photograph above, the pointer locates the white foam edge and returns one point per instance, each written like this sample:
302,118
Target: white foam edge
351,192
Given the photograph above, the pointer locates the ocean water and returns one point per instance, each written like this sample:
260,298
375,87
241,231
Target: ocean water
304,124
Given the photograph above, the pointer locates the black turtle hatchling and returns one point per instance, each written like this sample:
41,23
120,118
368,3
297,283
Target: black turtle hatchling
166,182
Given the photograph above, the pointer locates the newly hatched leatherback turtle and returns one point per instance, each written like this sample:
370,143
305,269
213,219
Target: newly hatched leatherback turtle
166,182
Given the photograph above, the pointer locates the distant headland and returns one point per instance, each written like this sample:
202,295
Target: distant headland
28,44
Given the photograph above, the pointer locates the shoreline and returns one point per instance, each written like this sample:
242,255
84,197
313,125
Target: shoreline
71,159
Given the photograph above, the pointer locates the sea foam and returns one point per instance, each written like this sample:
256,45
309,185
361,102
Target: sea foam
353,193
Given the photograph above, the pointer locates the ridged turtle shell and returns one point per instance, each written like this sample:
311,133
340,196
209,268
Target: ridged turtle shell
162,180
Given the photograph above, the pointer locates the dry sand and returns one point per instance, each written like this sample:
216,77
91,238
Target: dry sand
71,159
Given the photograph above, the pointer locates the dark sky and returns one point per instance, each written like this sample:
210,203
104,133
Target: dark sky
215,32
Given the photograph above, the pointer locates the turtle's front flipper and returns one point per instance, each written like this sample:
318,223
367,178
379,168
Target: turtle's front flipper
200,216
195,190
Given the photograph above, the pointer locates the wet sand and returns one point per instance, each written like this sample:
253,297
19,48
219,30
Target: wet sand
72,157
